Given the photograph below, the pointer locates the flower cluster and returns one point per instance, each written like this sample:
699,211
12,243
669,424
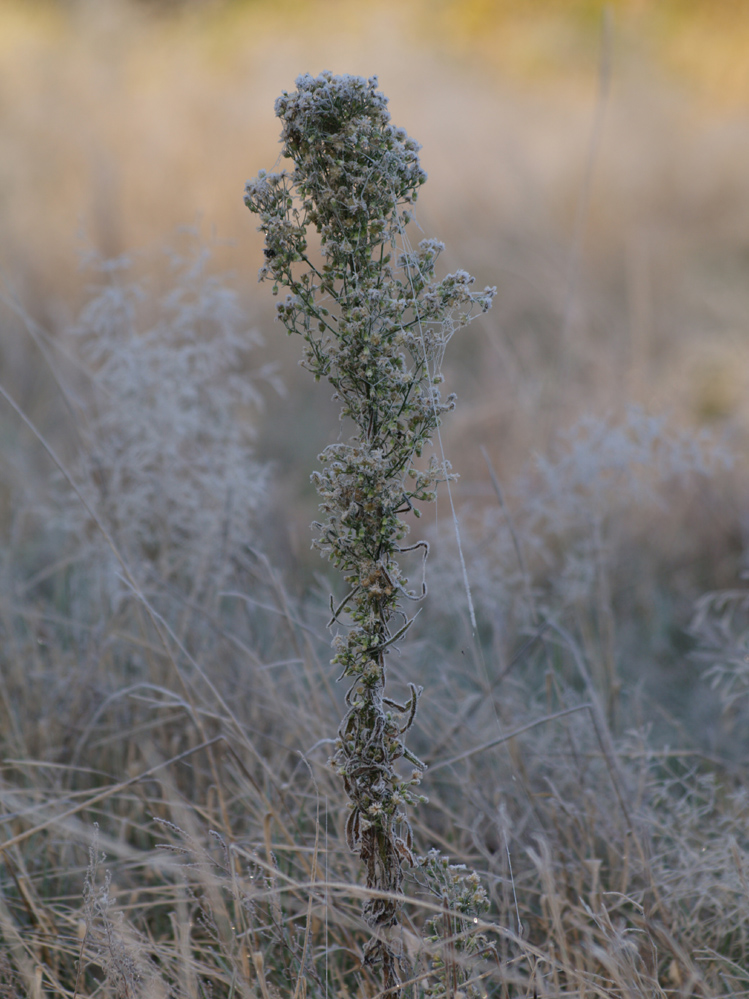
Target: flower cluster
375,321
454,935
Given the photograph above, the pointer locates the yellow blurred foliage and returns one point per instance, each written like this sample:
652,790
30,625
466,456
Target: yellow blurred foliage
702,43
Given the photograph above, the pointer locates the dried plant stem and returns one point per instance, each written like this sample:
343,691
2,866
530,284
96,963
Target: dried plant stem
377,330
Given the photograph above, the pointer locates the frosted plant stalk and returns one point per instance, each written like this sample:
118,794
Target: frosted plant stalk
375,322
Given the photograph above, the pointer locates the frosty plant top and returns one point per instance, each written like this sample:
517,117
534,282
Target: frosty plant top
375,322
376,329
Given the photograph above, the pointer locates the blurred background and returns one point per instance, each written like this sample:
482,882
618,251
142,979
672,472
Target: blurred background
588,159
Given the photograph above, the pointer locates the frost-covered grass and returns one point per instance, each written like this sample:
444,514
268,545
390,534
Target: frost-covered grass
169,825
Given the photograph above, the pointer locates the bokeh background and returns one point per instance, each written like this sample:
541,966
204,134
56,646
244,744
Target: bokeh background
588,159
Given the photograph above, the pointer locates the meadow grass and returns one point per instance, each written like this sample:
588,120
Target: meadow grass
170,826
